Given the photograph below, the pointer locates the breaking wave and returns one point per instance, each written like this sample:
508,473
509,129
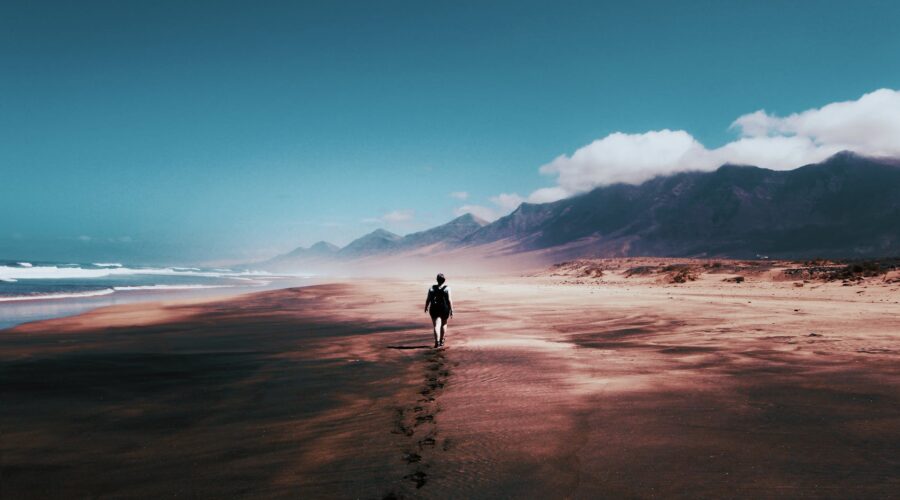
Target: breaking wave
167,287
56,296
10,273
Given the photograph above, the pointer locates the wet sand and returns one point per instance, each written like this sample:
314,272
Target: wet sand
548,389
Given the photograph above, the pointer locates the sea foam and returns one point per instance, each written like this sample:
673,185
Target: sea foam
9,273
167,287
55,296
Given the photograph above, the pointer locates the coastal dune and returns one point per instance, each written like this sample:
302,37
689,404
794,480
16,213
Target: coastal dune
549,387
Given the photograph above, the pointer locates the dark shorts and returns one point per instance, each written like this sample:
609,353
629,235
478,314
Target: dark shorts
444,315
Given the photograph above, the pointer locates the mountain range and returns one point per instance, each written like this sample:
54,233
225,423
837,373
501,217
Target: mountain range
381,242
847,206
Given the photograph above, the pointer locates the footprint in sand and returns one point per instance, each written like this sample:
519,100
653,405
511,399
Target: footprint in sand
418,477
399,425
418,420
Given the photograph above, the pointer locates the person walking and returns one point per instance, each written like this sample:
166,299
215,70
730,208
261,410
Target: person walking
441,309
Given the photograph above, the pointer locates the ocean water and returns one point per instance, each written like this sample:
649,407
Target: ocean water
31,291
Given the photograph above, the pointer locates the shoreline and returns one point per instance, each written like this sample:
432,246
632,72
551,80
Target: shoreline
548,387
20,310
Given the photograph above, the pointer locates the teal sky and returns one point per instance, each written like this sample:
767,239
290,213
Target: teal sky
182,132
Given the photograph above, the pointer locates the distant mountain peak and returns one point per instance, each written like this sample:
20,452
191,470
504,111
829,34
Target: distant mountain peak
383,233
843,155
845,206
378,241
737,166
469,218
324,247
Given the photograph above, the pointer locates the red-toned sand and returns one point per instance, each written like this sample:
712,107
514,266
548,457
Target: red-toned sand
612,387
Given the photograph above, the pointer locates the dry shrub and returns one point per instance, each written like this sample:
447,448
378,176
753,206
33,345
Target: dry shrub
578,268
640,271
680,274
842,271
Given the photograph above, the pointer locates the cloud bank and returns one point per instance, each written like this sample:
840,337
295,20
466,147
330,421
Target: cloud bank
398,216
869,125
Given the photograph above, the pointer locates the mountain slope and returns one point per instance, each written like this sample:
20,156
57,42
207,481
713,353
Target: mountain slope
301,258
450,233
846,206
378,241
320,249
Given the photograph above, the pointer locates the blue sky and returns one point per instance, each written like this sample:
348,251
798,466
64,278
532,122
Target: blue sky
202,131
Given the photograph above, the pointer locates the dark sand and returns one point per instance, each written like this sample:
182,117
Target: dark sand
617,389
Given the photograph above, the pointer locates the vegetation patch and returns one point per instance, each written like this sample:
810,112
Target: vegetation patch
680,273
640,271
843,270
578,268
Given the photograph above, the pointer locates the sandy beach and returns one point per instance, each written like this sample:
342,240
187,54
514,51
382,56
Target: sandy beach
551,386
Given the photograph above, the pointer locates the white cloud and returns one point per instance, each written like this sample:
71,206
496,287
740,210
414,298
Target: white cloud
459,195
398,216
629,158
775,152
547,195
869,125
392,217
507,202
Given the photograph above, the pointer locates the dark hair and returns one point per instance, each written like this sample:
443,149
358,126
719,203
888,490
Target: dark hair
440,278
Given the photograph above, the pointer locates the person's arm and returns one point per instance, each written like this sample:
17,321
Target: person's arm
449,302
428,299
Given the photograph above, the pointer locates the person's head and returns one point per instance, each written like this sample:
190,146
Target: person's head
440,278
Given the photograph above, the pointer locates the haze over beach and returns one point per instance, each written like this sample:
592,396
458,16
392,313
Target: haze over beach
668,237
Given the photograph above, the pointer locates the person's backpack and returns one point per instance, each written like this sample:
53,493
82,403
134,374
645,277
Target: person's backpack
439,299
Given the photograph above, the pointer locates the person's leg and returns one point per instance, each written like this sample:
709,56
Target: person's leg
435,327
443,331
